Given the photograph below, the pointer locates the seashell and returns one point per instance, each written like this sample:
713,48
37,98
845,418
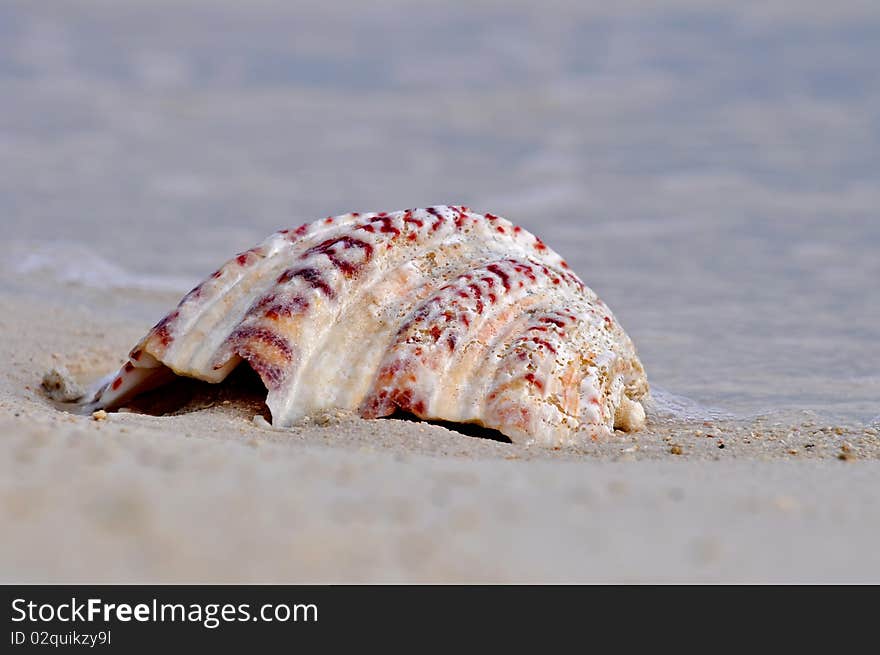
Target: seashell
442,312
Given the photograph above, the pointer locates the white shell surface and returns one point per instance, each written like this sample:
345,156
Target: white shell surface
441,312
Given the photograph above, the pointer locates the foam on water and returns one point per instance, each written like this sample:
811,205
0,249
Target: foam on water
74,263
664,404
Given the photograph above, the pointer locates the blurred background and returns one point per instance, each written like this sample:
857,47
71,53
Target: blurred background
710,169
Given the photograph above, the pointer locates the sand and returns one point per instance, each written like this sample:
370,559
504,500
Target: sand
211,495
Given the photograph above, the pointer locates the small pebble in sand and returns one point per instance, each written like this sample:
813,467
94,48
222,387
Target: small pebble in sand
60,386
676,449
100,415
329,417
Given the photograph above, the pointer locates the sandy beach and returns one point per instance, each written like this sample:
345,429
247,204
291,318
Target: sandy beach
724,207
210,495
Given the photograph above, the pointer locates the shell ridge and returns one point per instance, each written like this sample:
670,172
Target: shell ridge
528,362
240,329
395,226
530,293
348,291
463,305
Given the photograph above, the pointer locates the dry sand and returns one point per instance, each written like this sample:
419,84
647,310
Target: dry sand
209,494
